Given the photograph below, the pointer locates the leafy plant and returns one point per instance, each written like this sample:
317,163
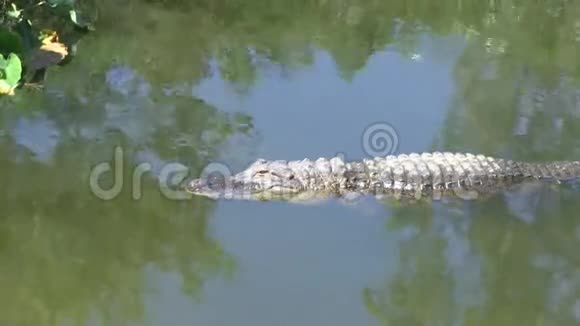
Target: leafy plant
10,73
23,37
14,12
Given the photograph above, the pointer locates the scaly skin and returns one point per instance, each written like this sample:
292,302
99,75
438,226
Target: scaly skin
413,176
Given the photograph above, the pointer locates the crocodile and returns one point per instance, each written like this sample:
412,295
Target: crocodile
412,176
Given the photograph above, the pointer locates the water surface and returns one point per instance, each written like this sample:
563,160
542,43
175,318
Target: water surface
228,83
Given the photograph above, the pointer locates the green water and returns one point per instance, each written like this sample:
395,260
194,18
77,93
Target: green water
191,83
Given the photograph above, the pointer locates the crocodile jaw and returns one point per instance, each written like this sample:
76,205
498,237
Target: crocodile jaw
239,187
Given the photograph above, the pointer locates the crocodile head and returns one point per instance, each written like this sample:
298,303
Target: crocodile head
263,180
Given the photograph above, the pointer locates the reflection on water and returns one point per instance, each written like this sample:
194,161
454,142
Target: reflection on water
70,257
492,267
291,80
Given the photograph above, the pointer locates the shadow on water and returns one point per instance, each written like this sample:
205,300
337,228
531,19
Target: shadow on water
68,257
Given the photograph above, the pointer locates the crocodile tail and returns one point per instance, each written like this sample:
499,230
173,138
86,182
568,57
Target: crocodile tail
560,171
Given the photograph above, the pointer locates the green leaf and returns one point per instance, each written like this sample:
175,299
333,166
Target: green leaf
79,20
73,16
14,12
11,73
13,70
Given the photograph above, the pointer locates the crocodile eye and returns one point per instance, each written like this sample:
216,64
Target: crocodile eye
291,177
